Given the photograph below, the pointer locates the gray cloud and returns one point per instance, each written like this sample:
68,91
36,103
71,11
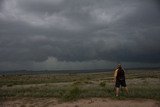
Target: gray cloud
32,31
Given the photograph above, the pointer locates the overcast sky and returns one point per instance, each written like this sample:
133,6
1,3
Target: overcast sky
79,34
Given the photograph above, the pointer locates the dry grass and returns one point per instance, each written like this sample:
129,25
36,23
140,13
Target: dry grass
141,84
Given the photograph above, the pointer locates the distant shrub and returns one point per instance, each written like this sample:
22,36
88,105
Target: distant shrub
77,83
102,84
88,78
9,85
72,94
88,82
1,85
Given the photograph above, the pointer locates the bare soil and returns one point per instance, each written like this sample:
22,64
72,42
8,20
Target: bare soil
93,102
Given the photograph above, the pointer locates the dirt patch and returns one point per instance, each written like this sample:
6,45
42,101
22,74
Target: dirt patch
94,102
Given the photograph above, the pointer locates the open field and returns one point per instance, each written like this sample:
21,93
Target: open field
31,89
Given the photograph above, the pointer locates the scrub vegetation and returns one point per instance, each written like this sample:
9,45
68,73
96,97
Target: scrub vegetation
67,87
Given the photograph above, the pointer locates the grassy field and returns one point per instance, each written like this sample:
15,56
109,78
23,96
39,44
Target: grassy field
141,83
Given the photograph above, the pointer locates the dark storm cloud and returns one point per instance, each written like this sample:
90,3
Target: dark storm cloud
84,30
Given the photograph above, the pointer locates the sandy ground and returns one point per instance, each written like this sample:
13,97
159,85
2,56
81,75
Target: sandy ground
94,102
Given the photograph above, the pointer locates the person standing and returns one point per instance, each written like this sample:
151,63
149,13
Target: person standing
119,79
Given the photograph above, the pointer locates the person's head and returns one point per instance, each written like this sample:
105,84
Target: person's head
119,66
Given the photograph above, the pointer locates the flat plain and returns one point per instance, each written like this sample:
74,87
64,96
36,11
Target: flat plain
79,89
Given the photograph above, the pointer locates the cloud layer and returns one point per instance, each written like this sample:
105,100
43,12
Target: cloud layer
83,31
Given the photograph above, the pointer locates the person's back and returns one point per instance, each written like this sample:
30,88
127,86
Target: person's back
120,74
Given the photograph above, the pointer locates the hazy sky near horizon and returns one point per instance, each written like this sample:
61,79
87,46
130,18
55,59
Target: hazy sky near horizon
79,34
